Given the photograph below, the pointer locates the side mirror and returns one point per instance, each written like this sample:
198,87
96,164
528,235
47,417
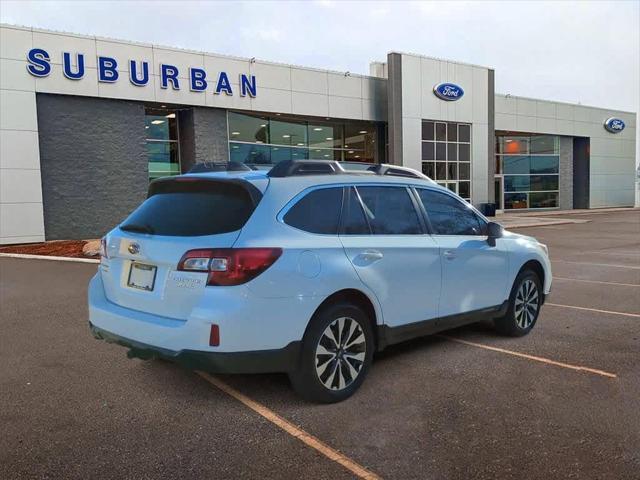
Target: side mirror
494,230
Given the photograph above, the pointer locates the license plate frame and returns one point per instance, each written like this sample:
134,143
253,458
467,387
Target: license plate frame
141,281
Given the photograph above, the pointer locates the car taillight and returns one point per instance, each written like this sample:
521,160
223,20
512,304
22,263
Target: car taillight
103,247
229,266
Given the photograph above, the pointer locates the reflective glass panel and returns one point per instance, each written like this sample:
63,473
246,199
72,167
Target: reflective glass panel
515,200
428,131
545,144
250,153
428,151
247,128
515,164
288,133
325,135
543,200
516,183
545,164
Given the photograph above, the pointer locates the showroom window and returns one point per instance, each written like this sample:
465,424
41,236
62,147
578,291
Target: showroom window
269,139
163,152
529,166
446,155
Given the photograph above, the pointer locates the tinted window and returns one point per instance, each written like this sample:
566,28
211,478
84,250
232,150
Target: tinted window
317,212
449,216
191,208
353,220
389,210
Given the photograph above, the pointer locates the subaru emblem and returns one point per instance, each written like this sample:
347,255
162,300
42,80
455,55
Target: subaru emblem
134,248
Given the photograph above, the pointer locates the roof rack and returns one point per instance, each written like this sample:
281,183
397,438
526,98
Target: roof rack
395,170
203,167
292,168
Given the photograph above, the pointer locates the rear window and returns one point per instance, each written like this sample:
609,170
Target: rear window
317,212
188,208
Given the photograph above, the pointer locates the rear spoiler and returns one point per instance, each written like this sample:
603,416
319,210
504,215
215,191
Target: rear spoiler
184,183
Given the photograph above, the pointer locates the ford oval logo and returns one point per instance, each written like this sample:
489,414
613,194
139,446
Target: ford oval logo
448,91
614,125
134,248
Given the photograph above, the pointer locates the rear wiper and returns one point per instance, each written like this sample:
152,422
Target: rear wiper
132,227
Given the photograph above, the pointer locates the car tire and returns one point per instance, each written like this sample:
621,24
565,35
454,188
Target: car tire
337,351
525,302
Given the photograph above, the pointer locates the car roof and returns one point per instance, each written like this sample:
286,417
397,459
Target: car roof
306,181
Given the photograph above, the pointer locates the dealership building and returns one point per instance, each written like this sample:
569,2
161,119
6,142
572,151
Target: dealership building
87,122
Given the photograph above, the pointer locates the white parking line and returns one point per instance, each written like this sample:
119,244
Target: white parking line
306,438
532,357
635,315
597,264
597,281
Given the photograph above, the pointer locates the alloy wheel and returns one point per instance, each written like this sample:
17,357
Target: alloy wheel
340,353
526,304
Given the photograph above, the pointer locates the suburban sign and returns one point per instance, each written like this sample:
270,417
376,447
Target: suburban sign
614,125
73,68
448,91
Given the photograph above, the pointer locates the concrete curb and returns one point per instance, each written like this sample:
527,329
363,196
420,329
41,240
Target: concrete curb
48,257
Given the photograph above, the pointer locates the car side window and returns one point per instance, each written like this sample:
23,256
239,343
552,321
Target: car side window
353,219
390,210
317,212
449,216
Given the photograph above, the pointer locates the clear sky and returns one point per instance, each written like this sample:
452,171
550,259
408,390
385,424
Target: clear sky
587,52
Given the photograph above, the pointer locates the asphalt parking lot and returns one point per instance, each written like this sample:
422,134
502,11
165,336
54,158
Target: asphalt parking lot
563,402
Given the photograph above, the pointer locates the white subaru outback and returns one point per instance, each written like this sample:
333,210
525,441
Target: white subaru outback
308,269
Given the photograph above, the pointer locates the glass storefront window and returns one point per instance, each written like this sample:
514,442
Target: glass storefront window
288,138
446,155
546,144
288,133
530,165
246,128
163,151
545,164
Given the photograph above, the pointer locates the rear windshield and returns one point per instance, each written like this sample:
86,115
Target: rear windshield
188,208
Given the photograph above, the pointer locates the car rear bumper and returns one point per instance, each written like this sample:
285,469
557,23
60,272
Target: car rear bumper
261,361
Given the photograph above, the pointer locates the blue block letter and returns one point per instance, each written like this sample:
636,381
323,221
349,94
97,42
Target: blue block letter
169,72
247,85
67,67
39,65
198,82
133,73
107,69
223,84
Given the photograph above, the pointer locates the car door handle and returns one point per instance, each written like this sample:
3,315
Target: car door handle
371,255
449,254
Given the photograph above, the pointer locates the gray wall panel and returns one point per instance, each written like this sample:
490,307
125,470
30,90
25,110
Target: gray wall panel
566,173
394,108
93,162
210,135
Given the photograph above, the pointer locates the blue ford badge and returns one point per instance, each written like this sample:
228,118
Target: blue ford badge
614,125
448,91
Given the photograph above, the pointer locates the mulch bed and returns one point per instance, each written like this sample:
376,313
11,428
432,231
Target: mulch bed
62,248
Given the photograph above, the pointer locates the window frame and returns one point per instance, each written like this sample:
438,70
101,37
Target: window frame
424,229
482,220
299,196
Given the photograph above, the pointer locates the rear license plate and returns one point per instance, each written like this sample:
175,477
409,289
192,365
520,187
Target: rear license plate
142,276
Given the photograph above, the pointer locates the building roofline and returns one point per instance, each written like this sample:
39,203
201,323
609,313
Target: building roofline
509,95
440,59
187,50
